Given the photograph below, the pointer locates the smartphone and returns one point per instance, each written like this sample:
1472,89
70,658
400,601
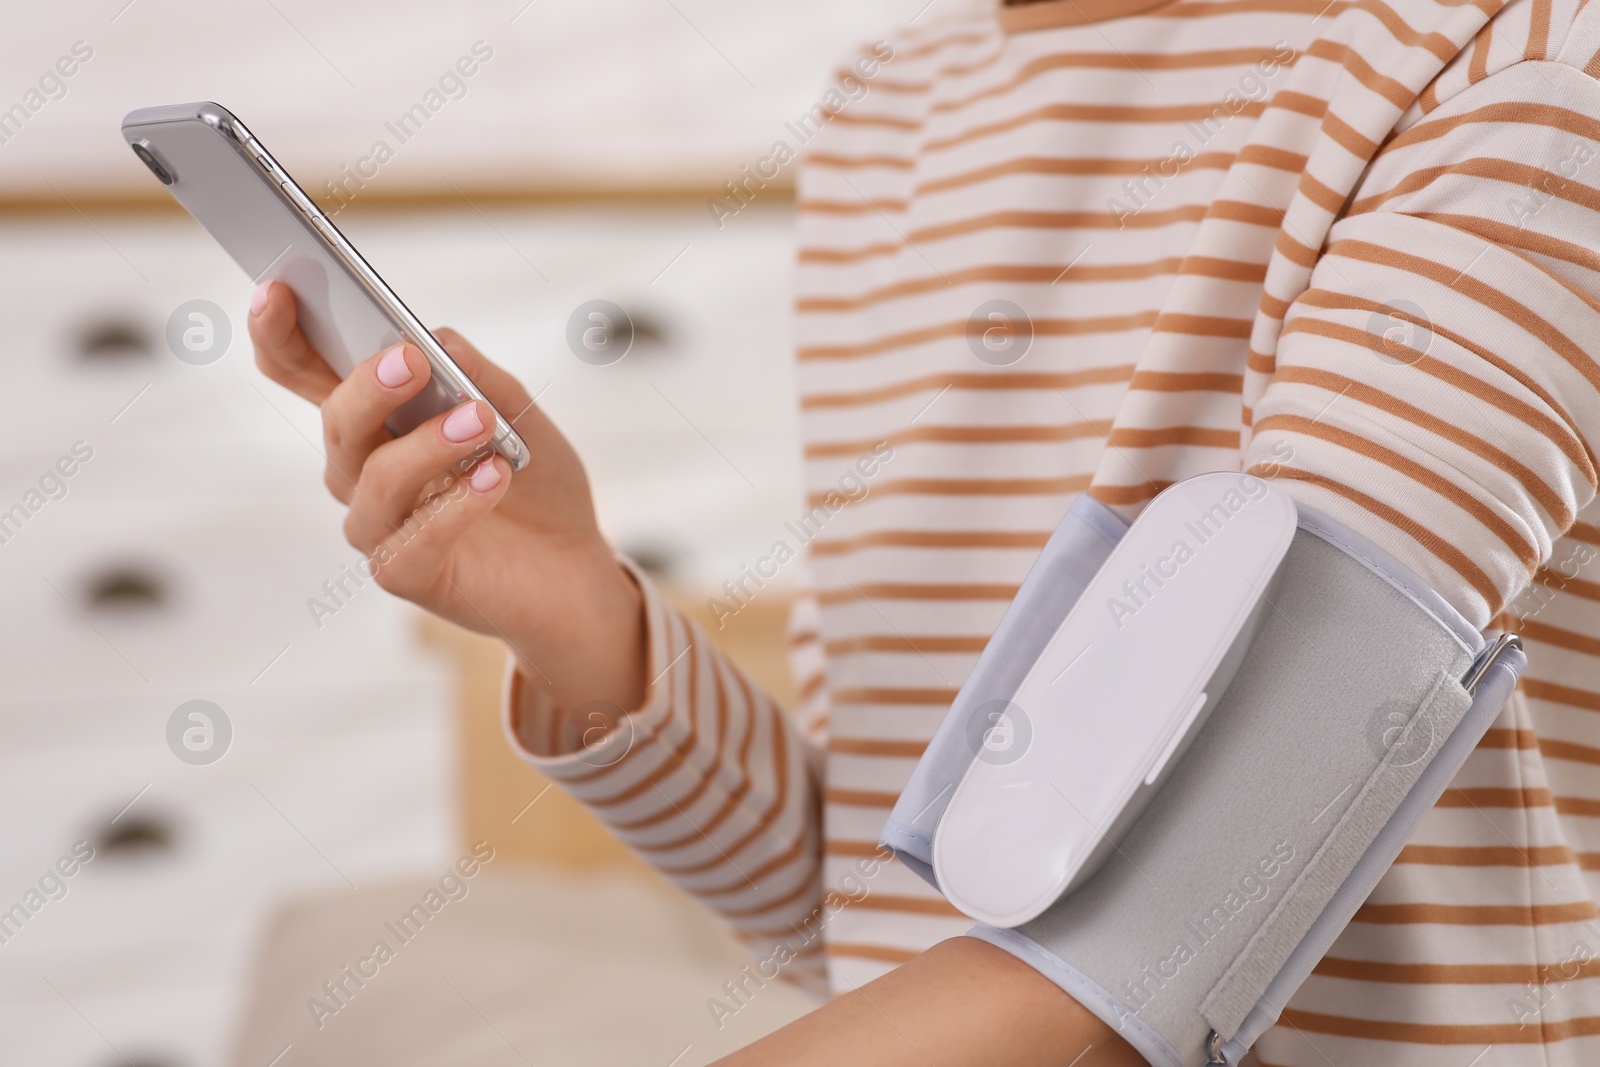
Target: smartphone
233,187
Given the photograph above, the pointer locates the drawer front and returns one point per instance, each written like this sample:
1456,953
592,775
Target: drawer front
198,854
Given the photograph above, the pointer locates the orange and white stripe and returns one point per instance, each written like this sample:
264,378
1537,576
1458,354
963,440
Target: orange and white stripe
1354,246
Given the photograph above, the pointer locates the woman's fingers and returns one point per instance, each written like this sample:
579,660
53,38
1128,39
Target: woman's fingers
554,478
282,351
404,470
354,413
503,390
410,559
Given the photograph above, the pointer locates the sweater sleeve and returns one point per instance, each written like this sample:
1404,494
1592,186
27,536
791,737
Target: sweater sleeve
808,664
709,781
1436,386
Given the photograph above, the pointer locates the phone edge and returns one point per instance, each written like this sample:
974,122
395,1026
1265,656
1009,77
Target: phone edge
506,441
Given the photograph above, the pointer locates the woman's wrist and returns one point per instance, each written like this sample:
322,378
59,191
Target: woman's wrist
596,650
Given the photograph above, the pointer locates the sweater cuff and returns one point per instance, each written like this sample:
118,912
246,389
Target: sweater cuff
568,743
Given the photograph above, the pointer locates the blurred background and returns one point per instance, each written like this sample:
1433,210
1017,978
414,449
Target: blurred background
214,802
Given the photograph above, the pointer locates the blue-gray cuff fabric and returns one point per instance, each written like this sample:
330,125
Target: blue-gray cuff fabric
1346,721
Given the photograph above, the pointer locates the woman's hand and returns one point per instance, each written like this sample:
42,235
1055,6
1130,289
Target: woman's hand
521,558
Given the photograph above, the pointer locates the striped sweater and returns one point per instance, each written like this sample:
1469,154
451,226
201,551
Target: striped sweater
1102,245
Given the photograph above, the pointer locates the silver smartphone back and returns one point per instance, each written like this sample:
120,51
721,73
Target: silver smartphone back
233,187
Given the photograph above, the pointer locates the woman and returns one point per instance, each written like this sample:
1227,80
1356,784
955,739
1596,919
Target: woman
1097,246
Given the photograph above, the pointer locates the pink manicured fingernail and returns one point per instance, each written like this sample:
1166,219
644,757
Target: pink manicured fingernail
392,369
485,476
258,299
463,423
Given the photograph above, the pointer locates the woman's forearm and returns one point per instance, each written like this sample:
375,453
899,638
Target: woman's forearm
963,1003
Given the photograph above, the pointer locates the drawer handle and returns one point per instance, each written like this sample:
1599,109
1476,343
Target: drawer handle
650,334
115,341
137,836
127,588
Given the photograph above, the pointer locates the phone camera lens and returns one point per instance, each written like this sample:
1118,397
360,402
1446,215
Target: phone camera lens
142,150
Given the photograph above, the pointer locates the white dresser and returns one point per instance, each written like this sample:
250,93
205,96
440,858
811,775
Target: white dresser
176,567
178,564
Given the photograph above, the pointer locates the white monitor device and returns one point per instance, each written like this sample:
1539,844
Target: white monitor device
1125,684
